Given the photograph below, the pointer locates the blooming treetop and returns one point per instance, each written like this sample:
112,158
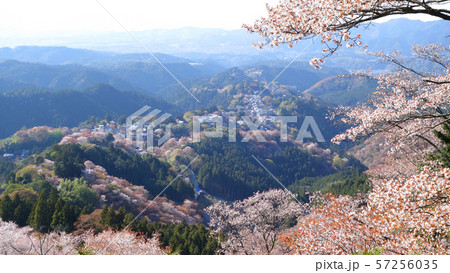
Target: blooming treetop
125,242
409,103
294,20
253,226
400,216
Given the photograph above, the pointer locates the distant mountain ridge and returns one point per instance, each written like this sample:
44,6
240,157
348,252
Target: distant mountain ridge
139,76
61,55
231,47
218,46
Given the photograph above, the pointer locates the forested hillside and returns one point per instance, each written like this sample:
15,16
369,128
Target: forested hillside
31,107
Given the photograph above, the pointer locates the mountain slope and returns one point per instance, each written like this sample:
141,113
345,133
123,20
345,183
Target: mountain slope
347,91
68,107
54,77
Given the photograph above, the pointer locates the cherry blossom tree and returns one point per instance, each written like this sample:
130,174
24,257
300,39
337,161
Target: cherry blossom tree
409,104
411,101
125,242
331,228
253,226
400,216
334,22
412,215
15,240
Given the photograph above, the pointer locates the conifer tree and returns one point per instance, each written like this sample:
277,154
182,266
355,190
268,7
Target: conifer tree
52,200
69,217
58,215
103,216
129,217
21,210
21,214
7,209
42,217
120,217
111,217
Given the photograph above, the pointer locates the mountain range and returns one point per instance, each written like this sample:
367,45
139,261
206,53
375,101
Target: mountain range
225,47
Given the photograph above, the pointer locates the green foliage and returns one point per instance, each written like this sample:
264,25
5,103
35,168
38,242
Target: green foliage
26,175
349,182
41,216
184,239
444,137
6,209
38,186
230,172
181,238
145,171
63,217
19,208
77,193
6,168
44,213
68,160
109,138
39,160
301,108
119,220
373,251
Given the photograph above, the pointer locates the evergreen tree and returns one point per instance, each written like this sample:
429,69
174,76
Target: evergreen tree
58,220
120,217
129,217
21,214
21,211
52,200
42,217
103,216
111,217
69,217
7,209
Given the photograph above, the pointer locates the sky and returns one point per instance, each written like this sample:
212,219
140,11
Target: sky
50,16
37,17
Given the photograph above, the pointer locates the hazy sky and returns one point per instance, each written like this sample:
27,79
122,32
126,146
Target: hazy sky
35,17
45,16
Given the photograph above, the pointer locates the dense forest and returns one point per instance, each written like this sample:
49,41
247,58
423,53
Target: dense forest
231,172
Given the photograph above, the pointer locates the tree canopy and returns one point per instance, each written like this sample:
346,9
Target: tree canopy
334,22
